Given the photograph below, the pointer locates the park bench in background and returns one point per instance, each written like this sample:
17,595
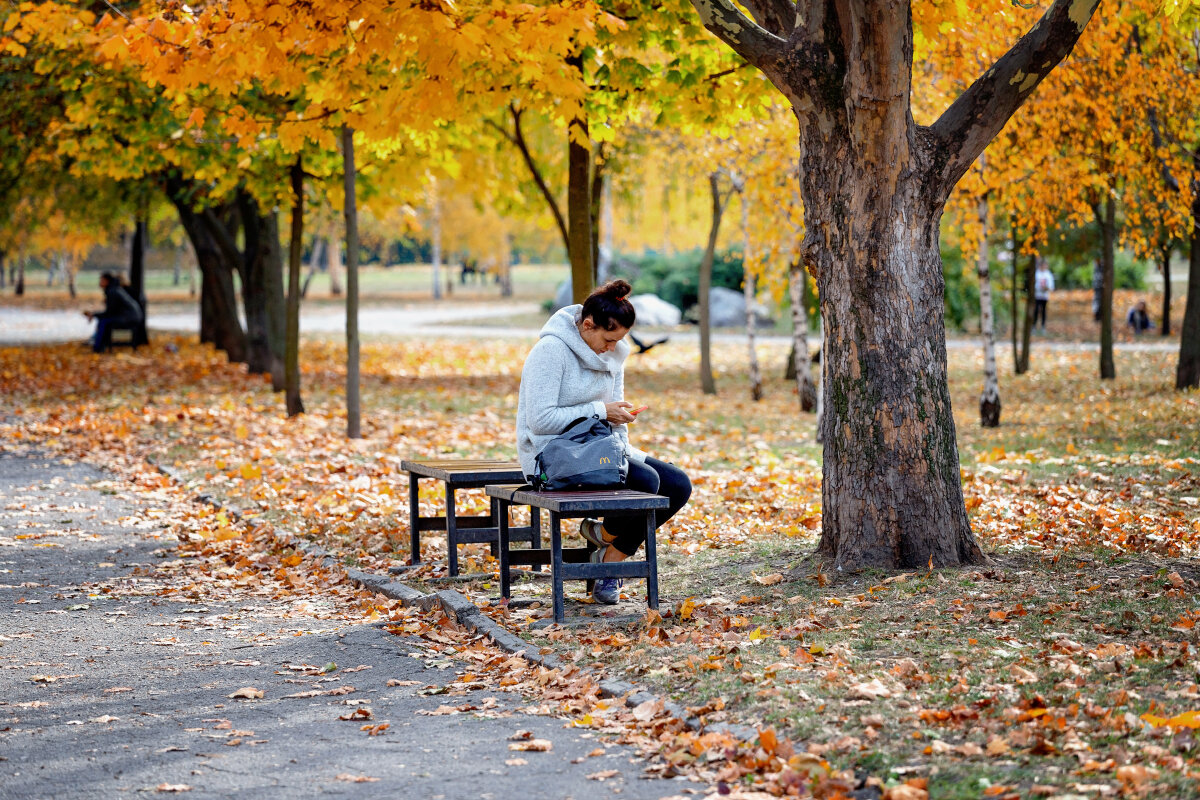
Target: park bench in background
459,474
572,563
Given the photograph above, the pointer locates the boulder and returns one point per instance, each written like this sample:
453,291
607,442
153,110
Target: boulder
727,309
562,296
653,311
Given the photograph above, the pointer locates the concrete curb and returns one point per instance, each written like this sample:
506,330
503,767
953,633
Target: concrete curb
469,616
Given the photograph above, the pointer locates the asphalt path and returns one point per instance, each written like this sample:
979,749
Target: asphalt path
449,319
110,690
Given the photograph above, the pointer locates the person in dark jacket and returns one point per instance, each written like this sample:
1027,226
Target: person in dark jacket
1138,319
120,311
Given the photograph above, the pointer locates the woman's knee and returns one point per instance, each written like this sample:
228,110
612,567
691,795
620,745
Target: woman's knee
642,478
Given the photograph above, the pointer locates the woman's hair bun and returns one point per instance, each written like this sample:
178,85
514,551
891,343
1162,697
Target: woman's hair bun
616,289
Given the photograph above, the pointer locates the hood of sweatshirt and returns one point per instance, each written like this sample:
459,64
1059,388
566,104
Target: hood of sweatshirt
562,326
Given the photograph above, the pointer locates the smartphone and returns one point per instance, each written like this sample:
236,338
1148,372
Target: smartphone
637,411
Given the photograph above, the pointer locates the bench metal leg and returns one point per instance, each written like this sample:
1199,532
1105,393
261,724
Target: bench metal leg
495,544
556,565
414,517
535,536
651,563
451,532
503,543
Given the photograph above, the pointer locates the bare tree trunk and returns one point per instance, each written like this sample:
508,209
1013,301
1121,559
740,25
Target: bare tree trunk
595,200
1164,266
314,264
1187,373
821,388
3,270
604,266
137,263
177,274
749,291
1030,310
800,361
261,269
435,234
68,268
1108,236
353,382
989,401
1014,297
19,283
336,266
707,383
291,350
579,209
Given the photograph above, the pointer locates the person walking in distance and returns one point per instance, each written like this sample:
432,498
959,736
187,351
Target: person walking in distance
1043,285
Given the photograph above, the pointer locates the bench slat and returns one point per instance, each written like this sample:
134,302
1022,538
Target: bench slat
458,472
615,501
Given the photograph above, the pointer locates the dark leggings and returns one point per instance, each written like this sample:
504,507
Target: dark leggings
654,477
1039,311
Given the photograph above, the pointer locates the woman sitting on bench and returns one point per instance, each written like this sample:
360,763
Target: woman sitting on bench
577,369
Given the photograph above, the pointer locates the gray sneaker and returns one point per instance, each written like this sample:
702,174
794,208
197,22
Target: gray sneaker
605,590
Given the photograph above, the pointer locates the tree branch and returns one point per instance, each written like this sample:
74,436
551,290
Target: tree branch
749,40
518,139
974,119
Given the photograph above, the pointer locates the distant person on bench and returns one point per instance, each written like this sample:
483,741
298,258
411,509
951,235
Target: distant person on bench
1138,319
120,311
577,369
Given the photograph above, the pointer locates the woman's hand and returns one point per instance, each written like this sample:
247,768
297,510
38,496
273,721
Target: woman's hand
618,412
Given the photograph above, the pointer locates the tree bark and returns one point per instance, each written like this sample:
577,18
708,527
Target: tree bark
19,283
707,384
291,352
821,386
1187,373
3,270
517,137
1164,266
801,364
353,382
750,292
874,186
1106,219
579,209
989,400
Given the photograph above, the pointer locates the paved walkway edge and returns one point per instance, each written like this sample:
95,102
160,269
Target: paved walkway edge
467,614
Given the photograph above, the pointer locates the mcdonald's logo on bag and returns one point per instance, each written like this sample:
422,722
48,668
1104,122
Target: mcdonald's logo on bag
605,460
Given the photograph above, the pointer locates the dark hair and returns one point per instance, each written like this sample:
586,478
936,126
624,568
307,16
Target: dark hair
608,306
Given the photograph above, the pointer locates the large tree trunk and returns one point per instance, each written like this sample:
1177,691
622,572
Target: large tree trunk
989,401
291,353
800,363
219,322
353,422
1106,219
821,386
874,187
707,383
1187,373
261,269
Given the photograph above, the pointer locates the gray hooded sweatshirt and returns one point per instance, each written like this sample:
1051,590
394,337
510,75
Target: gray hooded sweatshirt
563,380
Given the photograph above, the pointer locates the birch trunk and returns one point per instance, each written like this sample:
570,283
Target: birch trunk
801,363
749,291
989,401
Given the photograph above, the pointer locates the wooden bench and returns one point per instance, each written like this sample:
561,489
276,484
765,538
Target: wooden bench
459,474
573,563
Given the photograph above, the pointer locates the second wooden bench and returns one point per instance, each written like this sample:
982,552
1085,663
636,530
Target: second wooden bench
573,563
